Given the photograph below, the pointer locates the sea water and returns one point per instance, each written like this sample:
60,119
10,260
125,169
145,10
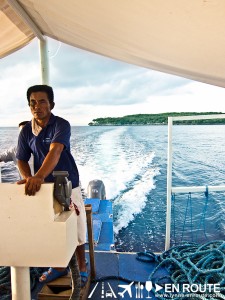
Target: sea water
132,163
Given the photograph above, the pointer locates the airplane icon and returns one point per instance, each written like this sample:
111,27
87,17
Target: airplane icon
127,288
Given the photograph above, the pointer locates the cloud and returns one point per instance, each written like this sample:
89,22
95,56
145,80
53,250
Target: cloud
88,86
14,81
92,78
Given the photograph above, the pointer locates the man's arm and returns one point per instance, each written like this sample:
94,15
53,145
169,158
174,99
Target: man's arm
33,183
24,169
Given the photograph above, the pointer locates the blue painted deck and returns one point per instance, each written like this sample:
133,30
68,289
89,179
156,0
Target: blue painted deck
123,265
102,224
111,266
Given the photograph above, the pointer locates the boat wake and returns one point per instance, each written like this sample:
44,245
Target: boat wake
126,169
132,201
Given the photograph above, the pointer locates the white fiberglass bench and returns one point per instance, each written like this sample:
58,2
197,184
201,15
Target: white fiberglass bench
32,235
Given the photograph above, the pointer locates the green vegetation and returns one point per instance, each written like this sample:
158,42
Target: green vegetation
154,119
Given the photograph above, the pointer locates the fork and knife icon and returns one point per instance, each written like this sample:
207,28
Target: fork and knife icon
139,290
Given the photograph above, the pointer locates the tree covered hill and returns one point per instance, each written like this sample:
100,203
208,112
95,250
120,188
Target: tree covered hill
154,119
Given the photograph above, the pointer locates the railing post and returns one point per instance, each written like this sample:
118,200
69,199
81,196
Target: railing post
169,183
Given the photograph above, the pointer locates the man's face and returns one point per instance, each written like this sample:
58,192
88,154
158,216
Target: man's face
40,106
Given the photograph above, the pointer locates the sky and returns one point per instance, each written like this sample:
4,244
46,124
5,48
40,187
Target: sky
89,86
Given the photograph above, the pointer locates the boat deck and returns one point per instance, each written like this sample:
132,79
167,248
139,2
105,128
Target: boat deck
112,267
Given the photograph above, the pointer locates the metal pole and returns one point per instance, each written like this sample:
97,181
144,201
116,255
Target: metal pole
88,209
43,47
169,183
198,189
20,283
26,18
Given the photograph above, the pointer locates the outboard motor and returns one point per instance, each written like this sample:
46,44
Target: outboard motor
96,189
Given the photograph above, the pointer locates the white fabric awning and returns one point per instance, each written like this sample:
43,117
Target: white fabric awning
14,33
181,37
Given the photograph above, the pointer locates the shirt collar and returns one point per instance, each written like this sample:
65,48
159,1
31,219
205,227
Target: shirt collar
36,129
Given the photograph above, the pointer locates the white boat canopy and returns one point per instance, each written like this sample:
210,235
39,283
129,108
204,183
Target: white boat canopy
180,37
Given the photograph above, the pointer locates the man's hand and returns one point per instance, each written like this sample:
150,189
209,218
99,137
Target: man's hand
32,184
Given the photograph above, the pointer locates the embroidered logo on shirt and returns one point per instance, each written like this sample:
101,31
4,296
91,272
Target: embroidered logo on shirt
47,140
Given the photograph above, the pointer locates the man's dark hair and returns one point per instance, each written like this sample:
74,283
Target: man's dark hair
41,88
23,123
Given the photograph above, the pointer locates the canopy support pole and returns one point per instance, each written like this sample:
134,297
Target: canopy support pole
43,51
37,32
26,18
20,283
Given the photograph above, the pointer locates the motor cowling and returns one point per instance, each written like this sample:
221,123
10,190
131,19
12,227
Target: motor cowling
96,189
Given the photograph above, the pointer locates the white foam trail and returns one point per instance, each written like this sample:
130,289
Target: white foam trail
106,163
133,202
122,163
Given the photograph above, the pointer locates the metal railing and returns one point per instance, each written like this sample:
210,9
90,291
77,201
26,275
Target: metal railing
170,188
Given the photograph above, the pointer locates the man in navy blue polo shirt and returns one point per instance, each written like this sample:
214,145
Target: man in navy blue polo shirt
47,137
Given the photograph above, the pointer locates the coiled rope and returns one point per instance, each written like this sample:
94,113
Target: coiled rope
190,263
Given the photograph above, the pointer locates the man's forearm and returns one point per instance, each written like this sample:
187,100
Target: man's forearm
51,160
24,168
33,183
